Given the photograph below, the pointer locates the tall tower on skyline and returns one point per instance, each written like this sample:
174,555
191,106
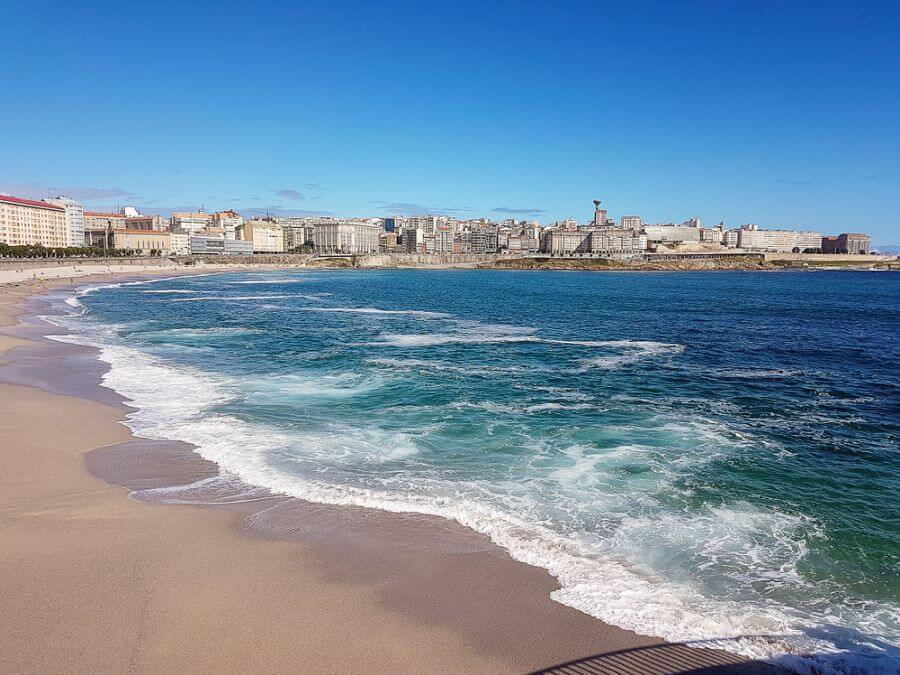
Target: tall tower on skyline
599,214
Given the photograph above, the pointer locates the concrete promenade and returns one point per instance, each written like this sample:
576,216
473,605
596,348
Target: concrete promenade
17,270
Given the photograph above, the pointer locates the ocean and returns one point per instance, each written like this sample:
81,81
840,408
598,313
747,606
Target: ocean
695,456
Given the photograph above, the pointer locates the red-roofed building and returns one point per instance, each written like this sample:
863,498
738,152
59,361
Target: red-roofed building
97,220
26,222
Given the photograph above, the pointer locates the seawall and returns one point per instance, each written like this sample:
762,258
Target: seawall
14,270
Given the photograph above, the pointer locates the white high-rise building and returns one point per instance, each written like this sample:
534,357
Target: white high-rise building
190,223
443,239
782,241
74,218
228,221
346,237
427,224
267,235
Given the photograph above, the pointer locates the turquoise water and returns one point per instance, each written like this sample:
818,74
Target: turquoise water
692,455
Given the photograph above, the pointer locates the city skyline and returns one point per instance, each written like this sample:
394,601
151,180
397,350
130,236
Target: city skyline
784,117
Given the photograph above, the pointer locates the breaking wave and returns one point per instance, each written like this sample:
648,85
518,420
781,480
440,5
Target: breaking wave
604,503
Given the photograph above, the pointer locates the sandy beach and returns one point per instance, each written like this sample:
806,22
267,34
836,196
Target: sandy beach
92,581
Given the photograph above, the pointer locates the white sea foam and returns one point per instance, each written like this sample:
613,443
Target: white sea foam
376,311
444,366
433,339
199,333
632,352
73,301
582,465
547,406
759,373
564,393
612,582
170,290
267,282
429,340
278,388
233,298
575,343
555,405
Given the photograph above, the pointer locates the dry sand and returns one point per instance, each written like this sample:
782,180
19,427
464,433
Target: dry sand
91,581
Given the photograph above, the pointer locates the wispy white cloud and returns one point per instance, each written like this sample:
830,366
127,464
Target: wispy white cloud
278,211
786,181
518,211
293,195
411,208
39,190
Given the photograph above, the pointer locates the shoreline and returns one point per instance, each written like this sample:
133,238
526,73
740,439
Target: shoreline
410,592
13,271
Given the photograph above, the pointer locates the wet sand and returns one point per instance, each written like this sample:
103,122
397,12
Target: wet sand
92,581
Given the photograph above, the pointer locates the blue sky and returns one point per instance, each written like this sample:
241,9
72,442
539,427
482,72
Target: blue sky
779,113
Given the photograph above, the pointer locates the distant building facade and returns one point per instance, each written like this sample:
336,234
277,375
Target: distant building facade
712,235
483,240
144,242
193,222
99,220
851,242
444,238
752,238
227,222
388,243
671,234
566,242
393,224
346,237
413,239
74,218
219,246
157,223
179,243
24,222
296,233
611,240
266,235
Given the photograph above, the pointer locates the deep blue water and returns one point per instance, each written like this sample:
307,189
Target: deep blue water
692,455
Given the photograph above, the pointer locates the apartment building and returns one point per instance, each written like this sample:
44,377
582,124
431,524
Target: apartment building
413,240
179,243
444,238
193,222
346,237
74,218
617,240
752,238
227,222
267,236
566,242
24,222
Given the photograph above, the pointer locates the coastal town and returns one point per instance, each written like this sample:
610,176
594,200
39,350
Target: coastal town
62,227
